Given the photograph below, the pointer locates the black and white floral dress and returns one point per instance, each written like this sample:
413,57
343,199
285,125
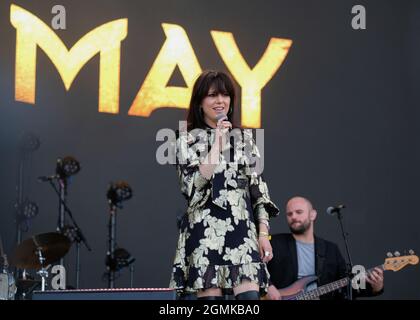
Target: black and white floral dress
218,240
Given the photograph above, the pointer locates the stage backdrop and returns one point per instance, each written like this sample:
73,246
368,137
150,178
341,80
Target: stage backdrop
339,107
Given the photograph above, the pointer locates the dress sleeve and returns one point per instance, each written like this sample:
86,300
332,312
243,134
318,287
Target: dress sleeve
193,184
263,206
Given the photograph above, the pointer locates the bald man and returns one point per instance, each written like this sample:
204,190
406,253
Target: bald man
300,254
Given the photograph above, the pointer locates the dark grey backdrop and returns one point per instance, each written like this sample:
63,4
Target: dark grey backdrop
340,120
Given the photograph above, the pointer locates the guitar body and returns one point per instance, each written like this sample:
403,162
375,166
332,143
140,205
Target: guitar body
290,292
300,287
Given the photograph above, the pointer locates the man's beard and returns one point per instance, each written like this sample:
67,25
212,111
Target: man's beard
301,229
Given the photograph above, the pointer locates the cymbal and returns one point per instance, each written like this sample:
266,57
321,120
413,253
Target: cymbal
53,246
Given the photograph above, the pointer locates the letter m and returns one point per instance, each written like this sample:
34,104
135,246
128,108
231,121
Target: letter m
106,39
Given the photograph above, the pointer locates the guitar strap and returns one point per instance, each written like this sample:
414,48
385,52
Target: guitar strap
319,257
293,256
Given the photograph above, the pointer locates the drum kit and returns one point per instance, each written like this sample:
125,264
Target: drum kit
36,253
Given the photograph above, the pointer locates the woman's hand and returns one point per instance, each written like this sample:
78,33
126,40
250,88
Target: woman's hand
273,293
266,251
222,129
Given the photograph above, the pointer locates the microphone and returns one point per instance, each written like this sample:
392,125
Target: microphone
333,210
48,178
221,116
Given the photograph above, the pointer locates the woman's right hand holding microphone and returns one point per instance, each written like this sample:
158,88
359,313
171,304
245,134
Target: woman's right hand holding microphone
222,130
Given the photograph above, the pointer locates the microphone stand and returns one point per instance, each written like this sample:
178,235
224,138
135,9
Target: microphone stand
18,206
349,264
80,236
62,187
28,145
112,230
19,191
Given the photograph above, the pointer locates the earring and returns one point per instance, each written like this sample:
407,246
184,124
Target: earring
230,112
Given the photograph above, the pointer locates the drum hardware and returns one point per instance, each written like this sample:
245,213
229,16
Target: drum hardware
7,280
38,253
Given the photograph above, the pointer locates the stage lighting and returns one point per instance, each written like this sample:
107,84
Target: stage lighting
28,210
67,167
72,233
119,192
25,213
122,259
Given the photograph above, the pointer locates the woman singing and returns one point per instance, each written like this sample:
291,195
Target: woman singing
224,240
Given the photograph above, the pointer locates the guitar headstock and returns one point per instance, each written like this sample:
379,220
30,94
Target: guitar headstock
396,262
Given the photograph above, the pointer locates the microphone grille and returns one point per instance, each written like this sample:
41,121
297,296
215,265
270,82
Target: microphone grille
220,116
330,210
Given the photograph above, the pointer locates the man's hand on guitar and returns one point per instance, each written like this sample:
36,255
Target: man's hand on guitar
376,279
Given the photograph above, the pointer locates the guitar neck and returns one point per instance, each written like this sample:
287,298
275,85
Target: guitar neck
330,287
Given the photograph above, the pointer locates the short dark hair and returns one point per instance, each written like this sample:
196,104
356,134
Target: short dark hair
222,83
